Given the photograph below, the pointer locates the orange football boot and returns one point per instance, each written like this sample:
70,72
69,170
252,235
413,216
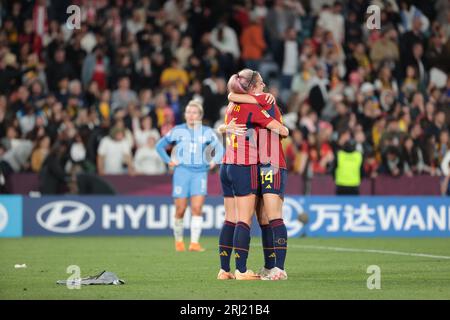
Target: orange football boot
196,247
179,246
247,275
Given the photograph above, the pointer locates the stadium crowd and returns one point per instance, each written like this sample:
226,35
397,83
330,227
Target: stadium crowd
98,97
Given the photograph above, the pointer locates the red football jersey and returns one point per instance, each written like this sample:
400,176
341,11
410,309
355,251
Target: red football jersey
243,150
270,148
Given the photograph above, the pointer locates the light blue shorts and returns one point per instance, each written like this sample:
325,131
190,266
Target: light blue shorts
188,183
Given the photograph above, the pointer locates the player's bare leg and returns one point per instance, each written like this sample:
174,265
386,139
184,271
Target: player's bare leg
196,222
180,209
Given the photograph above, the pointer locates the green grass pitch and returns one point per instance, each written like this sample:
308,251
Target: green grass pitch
153,270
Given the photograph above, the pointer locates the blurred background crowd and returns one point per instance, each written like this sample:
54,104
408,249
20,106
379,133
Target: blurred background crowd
97,98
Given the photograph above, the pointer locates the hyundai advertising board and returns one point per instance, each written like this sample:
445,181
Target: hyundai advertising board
327,216
106,215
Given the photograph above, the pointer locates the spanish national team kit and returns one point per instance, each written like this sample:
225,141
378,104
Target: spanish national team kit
239,171
272,163
253,163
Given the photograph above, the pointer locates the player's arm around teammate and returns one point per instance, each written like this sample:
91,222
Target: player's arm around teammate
239,173
251,82
269,211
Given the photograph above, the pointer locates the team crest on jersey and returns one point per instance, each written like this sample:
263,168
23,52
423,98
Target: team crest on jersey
264,112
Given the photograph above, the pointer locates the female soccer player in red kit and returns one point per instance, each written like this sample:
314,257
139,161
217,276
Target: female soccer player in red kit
240,173
273,173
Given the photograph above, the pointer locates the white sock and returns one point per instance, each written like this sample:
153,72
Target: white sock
196,228
178,229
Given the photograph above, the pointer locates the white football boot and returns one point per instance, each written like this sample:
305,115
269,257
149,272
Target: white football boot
264,272
276,274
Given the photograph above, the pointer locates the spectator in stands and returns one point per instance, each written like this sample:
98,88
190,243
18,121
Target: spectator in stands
96,68
184,51
290,58
224,39
125,68
147,160
353,32
413,157
114,154
39,153
380,86
58,69
78,152
360,59
392,164
439,124
136,23
253,43
411,83
299,154
123,95
331,19
417,60
119,123
361,143
143,130
175,76
392,136
214,96
278,19
348,169
411,16
320,154
161,109
103,107
300,82
17,156
386,49
385,82
318,93
371,165
145,75
52,178
12,136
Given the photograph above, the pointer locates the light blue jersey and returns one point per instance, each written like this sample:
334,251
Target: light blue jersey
193,150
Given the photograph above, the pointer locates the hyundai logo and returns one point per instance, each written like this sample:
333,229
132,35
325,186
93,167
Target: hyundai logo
65,216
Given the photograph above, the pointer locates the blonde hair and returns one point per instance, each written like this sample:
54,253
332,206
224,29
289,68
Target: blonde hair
197,104
242,81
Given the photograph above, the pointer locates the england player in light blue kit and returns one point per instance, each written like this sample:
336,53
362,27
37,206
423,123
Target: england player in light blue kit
192,158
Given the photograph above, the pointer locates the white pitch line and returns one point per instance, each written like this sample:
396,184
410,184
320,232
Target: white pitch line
398,253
